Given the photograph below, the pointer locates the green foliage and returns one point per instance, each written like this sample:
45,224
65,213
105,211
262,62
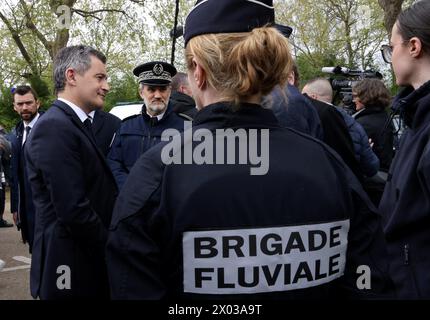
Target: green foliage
122,90
327,33
310,71
39,86
349,30
8,116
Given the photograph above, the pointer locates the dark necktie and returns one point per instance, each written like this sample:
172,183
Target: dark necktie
27,132
89,127
153,121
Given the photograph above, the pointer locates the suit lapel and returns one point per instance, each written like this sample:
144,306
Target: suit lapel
98,122
78,123
20,133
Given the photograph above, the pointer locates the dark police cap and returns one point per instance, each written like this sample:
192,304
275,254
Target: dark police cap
227,16
155,73
285,30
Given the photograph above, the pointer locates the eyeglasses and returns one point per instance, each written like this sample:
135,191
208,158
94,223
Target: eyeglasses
387,51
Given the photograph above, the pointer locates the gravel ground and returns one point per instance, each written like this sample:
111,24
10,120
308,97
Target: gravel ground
15,283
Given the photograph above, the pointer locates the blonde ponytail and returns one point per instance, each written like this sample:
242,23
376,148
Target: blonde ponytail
240,65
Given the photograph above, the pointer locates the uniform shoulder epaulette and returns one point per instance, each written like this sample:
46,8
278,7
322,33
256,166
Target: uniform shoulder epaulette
131,117
185,116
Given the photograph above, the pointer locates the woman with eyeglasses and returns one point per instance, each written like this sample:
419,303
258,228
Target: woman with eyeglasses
405,205
204,227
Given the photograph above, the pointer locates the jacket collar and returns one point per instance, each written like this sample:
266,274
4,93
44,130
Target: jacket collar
168,111
98,121
72,115
19,127
183,98
413,105
224,114
75,119
367,111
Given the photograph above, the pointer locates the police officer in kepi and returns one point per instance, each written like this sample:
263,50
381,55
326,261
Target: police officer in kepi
295,224
140,132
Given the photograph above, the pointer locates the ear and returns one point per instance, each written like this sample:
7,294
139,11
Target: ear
415,47
199,75
141,93
37,104
71,76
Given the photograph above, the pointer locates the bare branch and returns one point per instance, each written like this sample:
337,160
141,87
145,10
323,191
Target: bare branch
16,37
30,25
87,14
141,2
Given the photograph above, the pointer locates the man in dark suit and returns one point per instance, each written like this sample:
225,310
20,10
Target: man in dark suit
104,127
336,134
26,104
73,188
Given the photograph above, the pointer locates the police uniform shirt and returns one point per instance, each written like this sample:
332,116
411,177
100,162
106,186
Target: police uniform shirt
159,117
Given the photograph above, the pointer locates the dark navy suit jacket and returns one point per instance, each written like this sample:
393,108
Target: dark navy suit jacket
104,126
21,198
74,194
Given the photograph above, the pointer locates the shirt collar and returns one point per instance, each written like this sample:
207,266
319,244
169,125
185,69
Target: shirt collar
159,117
32,122
79,112
91,115
358,112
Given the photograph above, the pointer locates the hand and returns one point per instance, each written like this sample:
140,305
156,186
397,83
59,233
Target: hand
15,217
371,143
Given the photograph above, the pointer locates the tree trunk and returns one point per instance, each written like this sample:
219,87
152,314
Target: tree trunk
392,9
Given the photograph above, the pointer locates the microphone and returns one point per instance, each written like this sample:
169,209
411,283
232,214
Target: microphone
335,70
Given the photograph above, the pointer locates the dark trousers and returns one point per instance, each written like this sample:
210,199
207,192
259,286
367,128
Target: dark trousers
2,199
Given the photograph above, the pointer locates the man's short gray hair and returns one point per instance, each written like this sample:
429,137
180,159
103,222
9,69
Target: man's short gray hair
180,79
74,57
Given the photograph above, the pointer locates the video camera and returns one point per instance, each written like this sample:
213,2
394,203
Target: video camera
343,81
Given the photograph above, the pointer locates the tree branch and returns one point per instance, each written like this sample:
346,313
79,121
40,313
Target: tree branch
30,25
87,14
142,2
19,43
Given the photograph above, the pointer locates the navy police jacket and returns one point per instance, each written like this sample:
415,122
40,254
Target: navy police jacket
296,112
405,204
135,136
296,224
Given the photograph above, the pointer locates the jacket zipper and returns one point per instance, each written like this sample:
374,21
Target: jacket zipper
406,254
